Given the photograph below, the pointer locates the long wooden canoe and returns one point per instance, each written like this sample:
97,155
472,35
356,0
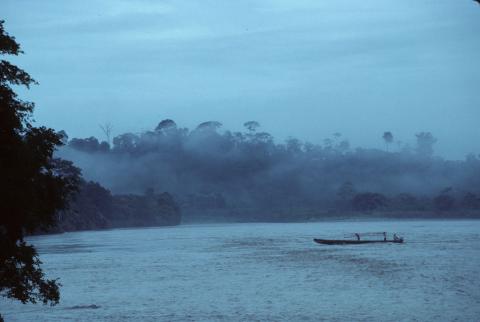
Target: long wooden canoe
354,242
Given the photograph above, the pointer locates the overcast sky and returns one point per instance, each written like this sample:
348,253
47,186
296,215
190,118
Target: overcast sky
300,68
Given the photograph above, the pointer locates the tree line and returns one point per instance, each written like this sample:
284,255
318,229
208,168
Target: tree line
210,168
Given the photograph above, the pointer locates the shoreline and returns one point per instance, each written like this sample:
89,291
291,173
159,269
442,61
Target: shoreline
331,219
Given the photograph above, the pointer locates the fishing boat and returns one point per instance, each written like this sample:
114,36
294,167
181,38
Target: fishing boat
396,239
353,242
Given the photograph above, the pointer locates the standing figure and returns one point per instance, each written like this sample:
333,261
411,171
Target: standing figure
384,236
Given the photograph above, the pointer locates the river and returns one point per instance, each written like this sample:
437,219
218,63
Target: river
261,272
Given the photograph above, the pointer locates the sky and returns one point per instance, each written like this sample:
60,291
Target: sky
302,68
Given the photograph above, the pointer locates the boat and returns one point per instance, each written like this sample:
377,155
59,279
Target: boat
396,239
354,242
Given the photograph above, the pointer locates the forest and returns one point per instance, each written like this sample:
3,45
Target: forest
217,174
94,207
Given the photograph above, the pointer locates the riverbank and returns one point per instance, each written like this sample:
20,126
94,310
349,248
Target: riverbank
299,215
94,208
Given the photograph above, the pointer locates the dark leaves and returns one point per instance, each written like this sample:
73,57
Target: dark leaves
13,75
22,278
8,45
33,186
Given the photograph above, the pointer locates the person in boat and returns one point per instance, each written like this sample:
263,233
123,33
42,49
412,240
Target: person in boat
357,235
384,236
395,237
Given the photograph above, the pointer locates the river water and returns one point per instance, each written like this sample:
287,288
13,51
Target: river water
261,272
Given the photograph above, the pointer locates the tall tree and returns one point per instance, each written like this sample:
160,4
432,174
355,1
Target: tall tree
107,129
166,125
251,126
425,142
388,138
33,185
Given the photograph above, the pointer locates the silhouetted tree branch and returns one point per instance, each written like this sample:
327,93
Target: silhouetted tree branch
33,185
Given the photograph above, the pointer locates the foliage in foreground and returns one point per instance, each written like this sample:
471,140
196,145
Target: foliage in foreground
33,185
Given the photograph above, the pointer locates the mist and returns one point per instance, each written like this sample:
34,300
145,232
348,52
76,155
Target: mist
209,167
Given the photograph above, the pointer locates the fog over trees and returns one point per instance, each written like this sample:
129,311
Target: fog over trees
209,168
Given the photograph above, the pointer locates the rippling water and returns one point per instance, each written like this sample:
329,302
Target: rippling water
262,272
